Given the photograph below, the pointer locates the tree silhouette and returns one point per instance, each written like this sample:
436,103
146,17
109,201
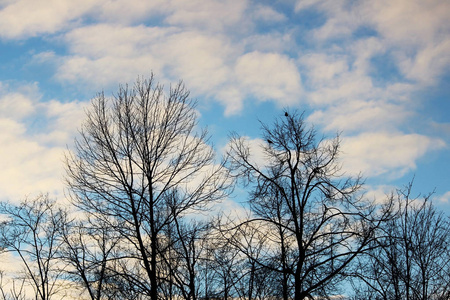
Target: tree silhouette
314,217
412,259
33,232
140,165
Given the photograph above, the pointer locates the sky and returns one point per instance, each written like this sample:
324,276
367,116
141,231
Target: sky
377,72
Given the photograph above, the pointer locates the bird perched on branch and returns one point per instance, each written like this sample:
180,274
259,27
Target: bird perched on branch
269,141
286,114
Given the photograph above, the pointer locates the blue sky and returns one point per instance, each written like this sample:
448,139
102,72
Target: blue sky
376,71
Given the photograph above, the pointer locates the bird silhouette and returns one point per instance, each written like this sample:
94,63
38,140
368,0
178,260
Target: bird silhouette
269,141
286,114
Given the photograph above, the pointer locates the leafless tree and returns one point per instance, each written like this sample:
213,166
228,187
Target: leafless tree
254,280
12,290
186,248
226,264
140,164
90,248
33,232
412,260
314,217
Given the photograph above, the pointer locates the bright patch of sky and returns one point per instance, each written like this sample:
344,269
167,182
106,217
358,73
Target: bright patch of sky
376,71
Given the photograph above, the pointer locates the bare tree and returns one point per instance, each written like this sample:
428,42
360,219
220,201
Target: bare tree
186,251
12,290
254,281
412,260
226,263
90,249
33,232
141,163
313,216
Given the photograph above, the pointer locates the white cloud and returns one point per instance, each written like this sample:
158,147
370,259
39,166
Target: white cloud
273,42
304,4
344,95
269,76
322,67
33,135
349,86
27,167
343,18
428,64
19,103
380,153
98,41
231,97
268,14
103,55
25,18
419,48
28,18
128,11
200,60
408,22
334,76
209,15
212,65
105,72
357,116
379,193
445,198
15,105
257,156
62,122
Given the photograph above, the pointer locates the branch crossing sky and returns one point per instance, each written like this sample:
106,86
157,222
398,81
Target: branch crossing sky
378,72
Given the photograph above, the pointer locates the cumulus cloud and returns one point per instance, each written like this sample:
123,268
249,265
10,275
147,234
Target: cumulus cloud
127,12
419,49
217,48
268,14
445,198
27,18
15,105
100,40
102,55
33,136
333,83
199,59
269,76
356,116
210,15
105,55
191,42
105,72
428,64
379,193
62,122
382,153
392,19
27,167
19,102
